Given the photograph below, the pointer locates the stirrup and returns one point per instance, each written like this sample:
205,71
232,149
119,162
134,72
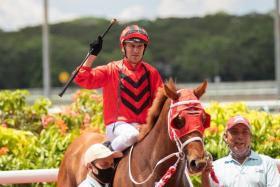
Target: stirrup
116,160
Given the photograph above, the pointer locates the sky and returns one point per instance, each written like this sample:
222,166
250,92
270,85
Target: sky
16,14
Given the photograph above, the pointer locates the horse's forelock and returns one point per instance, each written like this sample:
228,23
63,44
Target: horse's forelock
171,85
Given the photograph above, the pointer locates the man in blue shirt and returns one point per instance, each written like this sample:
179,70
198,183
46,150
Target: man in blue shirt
99,161
278,164
242,167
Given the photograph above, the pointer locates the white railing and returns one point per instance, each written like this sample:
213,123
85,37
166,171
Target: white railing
41,175
28,176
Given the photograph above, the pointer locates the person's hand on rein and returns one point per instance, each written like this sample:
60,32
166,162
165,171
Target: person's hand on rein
205,173
96,46
207,168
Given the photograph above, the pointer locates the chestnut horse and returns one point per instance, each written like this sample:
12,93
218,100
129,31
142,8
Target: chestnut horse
72,170
170,143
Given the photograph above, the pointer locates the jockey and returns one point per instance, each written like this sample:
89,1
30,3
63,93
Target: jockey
99,161
129,86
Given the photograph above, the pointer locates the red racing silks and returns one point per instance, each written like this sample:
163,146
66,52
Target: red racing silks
127,99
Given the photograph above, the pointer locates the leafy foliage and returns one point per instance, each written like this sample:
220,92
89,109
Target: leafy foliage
40,141
16,113
187,49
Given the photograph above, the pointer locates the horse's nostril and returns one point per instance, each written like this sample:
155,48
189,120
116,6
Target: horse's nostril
197,164
192,164
200,165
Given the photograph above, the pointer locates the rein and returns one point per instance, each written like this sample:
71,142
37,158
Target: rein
180,155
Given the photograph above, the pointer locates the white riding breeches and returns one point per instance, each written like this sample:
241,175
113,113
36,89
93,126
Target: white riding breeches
122,134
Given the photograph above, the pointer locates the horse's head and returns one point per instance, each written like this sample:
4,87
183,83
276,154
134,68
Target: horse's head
187,121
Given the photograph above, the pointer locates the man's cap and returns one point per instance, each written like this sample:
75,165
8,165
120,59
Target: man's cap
99,151
237,120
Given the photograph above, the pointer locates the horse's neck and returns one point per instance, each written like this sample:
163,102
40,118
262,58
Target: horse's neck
158,139
155,148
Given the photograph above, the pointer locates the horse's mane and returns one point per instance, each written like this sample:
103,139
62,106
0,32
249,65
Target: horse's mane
155,109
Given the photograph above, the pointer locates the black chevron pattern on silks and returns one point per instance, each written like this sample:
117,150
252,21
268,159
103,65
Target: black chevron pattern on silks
132,95
133,108
138,83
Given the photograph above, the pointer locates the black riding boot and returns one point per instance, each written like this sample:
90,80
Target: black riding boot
108,144
116,160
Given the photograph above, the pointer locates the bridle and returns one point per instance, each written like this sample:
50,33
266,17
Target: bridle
179,154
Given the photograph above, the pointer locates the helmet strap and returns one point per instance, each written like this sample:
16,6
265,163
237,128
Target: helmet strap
144,49
124,50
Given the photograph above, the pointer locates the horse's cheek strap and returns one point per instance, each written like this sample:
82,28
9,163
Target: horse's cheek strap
207,121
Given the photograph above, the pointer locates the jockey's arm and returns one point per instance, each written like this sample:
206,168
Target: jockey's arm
90,60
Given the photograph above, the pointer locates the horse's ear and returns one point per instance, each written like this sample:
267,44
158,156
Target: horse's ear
200,90
170,90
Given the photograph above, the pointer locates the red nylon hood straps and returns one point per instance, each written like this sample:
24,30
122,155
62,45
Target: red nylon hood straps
195,117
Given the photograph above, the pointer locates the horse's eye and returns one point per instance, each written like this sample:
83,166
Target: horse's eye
178,122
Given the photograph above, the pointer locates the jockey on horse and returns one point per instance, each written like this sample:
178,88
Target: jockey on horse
129,87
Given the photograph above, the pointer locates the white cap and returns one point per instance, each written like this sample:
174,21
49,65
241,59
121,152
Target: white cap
97,151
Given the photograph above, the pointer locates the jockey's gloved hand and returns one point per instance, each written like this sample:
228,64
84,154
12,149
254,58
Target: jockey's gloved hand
96,46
